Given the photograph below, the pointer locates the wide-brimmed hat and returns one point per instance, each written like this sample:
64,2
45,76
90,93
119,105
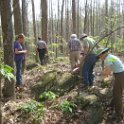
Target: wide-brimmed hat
102,50
83,35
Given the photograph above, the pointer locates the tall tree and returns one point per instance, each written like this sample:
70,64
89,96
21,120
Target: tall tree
25,17
86,17
44,19
78,17
106,16
17,17
7,32
74,16
67,21
34,21
61,32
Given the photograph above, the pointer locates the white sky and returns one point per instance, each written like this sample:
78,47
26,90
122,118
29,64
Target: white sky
55,6
37,7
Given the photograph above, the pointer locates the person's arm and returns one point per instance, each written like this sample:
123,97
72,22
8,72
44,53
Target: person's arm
86,46
46,47
20,52
106,72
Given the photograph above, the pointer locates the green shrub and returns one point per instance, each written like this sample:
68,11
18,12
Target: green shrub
67,106
33,110
47,96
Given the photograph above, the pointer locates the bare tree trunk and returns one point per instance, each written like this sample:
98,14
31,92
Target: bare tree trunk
1,120
78,17
17,17
44,19
0,38
34,28
67,21
61,33
25,26
25,17
86,17
7,30
34,21
74,16
106,15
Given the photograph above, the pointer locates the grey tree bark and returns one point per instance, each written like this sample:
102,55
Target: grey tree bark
25,17
86,17
17,17
44,19
7,32
74,16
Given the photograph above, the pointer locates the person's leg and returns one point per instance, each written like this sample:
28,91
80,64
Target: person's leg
85,71
72,60
77,58
41,56
18,73
118,94
92,60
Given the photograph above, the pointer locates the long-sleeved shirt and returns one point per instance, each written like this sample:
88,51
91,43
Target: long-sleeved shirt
74,45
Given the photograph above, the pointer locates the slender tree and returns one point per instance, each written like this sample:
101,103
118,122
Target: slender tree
34,21
44,19
17,17
73,16
61,32
86,17
25,17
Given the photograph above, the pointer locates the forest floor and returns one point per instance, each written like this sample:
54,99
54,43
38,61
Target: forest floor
52,115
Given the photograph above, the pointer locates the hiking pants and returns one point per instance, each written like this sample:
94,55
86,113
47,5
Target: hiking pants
42,53
118,93
74,58
87,69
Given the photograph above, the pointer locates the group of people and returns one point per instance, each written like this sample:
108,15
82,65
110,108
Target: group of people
90,54
112,65
75,47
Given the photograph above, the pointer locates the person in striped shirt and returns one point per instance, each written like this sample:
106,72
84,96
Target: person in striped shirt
74,48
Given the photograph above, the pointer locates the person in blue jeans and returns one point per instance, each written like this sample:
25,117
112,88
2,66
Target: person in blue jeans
90,59
19,55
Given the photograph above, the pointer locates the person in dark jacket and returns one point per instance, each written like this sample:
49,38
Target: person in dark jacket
42,50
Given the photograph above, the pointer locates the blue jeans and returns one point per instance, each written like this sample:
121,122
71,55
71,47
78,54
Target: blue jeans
18,72
87,70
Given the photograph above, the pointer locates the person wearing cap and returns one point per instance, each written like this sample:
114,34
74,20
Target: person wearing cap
89,60
74,48
19,56
42,50
113,64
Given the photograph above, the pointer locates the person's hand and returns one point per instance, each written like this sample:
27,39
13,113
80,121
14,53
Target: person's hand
25,51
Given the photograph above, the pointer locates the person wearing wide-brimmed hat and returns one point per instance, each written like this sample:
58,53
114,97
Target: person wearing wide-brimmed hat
19,56
74,48
114,64
90,59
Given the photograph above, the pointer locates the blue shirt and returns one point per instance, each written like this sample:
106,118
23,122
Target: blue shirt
114,63
18,46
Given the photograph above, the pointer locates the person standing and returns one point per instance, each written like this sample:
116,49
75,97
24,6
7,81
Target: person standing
42,50
113,64
19,56
74,48
89,60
